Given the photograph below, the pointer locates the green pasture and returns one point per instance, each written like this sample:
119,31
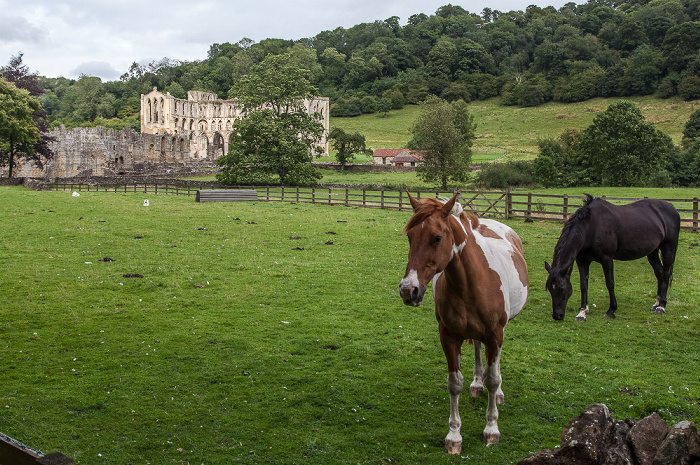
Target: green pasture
512,131
274,333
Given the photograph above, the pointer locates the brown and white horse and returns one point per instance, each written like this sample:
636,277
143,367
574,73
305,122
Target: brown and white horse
480,282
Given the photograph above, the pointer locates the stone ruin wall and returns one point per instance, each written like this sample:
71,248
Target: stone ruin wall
207,120
105,152
176,135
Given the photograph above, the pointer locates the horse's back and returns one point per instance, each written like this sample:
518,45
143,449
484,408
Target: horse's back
639,227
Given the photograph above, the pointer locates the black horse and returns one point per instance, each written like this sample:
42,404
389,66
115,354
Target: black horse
602,232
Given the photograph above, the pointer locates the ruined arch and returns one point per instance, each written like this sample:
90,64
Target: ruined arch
217,148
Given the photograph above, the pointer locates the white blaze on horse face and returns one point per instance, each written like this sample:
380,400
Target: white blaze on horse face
498,253
411,280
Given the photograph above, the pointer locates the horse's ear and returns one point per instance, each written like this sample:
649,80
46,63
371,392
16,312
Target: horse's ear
447,208
547,267
414,203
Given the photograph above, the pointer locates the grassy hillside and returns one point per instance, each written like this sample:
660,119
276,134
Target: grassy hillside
515,131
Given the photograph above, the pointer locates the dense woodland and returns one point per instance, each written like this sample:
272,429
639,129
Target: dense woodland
600,48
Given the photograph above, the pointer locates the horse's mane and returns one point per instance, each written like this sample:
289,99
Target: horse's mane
573,222
427,208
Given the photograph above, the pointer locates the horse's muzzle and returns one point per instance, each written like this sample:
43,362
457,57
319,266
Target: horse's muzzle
411,294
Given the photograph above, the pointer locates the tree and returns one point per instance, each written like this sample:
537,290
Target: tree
622,148
277,136
18,132
691,130
347,145
384,106
18,74
444,132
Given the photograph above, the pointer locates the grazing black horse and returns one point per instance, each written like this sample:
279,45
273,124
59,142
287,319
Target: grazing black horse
602,232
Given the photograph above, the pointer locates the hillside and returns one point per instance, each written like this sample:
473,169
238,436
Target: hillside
515,131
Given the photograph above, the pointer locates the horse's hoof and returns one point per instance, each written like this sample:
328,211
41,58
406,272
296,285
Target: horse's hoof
580,318
500,399
476,391
452,447
490,439
610,315
659,309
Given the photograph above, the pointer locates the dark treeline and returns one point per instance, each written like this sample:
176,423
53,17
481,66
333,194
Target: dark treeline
600,48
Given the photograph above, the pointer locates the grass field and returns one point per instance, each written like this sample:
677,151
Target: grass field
515,131
273,333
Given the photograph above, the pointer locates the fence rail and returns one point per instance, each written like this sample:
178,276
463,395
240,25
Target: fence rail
497,204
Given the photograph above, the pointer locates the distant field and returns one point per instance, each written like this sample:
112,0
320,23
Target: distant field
515,131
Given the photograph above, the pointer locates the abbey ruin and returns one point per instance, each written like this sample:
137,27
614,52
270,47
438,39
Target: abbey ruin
176,134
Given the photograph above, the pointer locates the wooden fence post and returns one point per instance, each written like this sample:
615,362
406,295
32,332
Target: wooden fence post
509,201
528,215
695,214
565,211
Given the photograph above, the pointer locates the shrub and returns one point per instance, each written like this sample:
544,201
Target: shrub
368,104
689,88
505,174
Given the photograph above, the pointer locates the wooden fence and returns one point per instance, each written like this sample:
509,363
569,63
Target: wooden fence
495,204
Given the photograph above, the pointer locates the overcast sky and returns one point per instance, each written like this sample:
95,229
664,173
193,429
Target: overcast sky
103,37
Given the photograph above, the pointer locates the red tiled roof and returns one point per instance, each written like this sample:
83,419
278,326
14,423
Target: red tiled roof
405,154
387,152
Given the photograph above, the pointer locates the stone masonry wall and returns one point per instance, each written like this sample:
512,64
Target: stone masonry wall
99,151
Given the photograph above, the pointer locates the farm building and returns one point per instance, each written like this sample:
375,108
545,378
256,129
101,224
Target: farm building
397,157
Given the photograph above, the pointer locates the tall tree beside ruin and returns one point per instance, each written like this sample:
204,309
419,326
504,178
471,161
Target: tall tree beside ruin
277,137
18,132
444,132
18,74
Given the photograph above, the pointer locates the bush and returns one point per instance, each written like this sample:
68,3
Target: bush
545,171
346,107
368,104
397,99
456,91
689,88
506,174
579,87
666,88
528,93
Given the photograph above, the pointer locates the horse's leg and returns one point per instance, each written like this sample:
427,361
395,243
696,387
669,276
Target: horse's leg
492,380
451,347
658,268
668,255
583,267
608,271
476,389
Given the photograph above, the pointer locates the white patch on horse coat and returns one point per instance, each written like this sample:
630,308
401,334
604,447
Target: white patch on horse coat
435,280
498,253
456,209
457,248
582,314
411,280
